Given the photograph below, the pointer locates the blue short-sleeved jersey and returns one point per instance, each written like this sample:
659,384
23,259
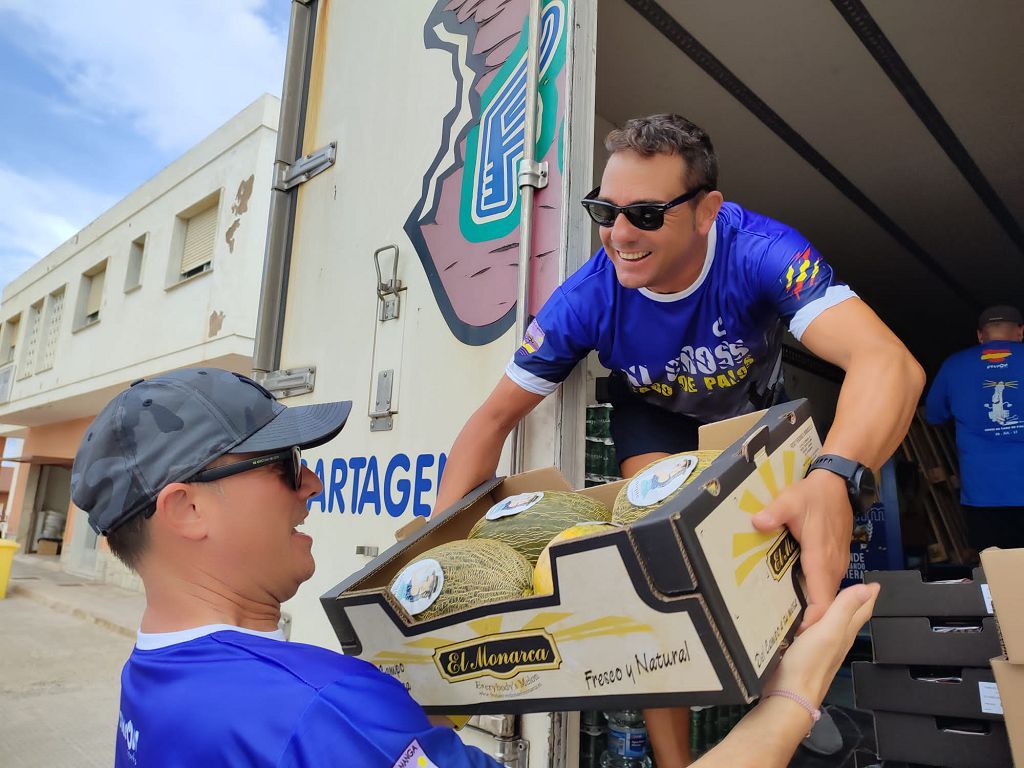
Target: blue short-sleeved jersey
229,697
712,351
982,390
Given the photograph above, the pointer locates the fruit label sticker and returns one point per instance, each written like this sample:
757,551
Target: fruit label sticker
418,586
660,481
513,505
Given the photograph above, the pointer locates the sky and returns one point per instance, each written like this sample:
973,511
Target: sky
98,97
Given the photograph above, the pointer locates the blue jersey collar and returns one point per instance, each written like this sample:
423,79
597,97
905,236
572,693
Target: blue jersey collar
708,258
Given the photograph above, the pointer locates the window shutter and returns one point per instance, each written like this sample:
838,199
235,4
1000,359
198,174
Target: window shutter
199,238
92,305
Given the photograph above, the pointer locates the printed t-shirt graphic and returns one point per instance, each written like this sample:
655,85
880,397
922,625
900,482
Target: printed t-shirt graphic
982,389
712,351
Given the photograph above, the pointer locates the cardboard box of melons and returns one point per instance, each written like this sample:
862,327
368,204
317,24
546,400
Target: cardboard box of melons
677,601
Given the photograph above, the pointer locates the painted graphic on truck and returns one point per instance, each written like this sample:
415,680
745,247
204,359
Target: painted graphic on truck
465,226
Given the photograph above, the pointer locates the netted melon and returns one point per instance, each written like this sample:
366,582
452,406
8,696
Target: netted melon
461,575
542,583
528,521
658,482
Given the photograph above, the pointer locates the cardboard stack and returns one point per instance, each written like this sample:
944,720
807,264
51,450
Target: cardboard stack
931,687
1004,568
689,605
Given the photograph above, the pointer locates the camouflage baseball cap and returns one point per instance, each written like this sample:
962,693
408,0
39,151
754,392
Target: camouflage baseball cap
165,429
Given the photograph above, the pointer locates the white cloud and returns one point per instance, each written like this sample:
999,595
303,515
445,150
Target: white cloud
29,228
174,70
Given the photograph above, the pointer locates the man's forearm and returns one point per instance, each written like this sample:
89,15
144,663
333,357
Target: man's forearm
472,460
876,405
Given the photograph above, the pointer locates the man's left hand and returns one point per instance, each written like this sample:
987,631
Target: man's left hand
817,512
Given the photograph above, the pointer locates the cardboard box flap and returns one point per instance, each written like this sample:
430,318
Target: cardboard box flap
1010,681
1004,567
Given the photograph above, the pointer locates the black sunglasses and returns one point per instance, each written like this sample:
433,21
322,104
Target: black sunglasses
293,455
648,216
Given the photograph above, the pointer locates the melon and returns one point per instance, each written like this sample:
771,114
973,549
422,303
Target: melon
461,575
528,521
659,482
542,584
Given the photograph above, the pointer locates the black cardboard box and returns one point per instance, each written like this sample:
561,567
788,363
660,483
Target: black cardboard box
950,743
689,605
904,689
905,593
918,640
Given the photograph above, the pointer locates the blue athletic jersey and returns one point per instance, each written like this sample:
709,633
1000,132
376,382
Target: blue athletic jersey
712,351
980,389
230,698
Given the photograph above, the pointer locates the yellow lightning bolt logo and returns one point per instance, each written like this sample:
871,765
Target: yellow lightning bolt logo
795,279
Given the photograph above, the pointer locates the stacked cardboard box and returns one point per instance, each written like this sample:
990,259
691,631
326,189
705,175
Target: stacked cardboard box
1004,568
931,687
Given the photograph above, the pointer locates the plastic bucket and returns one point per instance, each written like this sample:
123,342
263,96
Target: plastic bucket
7,549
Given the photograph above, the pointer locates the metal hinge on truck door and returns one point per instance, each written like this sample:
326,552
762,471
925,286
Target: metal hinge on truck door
305,168
289,382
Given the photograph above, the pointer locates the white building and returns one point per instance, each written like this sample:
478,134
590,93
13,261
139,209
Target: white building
168,278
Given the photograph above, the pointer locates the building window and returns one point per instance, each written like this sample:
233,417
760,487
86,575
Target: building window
133,277
90,295
54,316
28,360
200,227
9,339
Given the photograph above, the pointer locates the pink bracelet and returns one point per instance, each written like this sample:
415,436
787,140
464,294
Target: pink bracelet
812,710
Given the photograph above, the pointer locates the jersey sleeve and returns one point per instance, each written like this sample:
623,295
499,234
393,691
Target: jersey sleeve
800,283
555,341
370,721
937,408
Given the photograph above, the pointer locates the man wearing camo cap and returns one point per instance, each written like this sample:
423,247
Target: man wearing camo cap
195,479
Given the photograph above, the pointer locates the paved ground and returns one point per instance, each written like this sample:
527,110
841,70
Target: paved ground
62,644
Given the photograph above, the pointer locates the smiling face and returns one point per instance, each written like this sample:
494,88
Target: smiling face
664,260
253,531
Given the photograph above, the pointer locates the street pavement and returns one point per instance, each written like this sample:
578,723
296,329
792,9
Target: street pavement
63,641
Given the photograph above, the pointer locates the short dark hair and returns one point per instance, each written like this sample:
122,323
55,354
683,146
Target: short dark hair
669,135
129,540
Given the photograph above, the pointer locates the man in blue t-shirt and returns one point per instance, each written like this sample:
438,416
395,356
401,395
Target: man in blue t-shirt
686,304
979,389
195,478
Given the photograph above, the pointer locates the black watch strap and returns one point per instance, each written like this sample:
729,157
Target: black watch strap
845,468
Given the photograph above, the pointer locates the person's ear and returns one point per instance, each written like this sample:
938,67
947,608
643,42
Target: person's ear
1020,333
707,211
981,339
180,508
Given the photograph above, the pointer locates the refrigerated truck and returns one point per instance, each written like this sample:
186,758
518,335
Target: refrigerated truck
431,157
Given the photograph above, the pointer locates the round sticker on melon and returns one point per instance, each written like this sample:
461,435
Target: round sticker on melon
513,505
657,483
418,586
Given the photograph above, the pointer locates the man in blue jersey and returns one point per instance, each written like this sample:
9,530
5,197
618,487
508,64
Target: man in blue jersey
979,389
686,304
196,481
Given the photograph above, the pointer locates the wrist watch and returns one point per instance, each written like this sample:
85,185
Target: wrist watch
860,480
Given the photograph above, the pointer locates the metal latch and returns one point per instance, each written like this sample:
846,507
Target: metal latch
289,382
305,168
533,174
381,416
513,753
388,292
